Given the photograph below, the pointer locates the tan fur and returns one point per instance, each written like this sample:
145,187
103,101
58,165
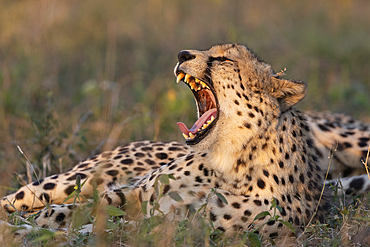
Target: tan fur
259,148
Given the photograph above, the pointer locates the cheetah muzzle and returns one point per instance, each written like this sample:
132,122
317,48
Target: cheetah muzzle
206,101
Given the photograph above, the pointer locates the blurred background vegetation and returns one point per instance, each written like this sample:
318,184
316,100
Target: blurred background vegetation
80,77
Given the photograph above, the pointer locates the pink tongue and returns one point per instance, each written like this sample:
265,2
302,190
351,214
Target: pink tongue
199,123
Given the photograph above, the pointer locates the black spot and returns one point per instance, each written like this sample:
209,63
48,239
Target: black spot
251,115
363,142
221,228
309,143
189,157
356,183
261,183
38,182
198,179
266,173
257,202
82,165
166,188
205,172
60,217
227,216
45,197
294,133
174,149
189,163
274,235
283,212
19,195
291,179
236,205
112,172
281,164
247,125
296,221
323,127
173,167
73,177
301,178
49,186
289,199
270,223
148,161
108,165
161,156
247,213
139,169
187,173
212,216
286,156
127,161
69,189
276,179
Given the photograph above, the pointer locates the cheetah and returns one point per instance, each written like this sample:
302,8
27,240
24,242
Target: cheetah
249,144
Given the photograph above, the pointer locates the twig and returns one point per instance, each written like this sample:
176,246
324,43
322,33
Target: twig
365,163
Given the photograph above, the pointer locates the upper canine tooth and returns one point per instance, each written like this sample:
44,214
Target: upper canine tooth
191,135
185,136
179,77
212,118
187,76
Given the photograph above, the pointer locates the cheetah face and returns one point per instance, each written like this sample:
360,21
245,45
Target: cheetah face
236,94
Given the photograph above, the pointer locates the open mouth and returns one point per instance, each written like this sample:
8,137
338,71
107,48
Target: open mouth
207,108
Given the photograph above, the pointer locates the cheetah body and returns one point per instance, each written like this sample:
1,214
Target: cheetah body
257,148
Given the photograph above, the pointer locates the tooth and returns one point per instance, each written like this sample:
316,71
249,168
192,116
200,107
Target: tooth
204,126
198,130
197,80
191,135
185,136
212,118
187,76
179,77
209,121
199,88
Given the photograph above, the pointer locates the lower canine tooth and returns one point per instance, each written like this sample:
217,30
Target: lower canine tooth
185,136
191,135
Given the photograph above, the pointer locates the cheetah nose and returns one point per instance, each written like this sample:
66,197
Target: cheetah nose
185,56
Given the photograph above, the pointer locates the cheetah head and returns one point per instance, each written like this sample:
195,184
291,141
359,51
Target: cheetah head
238,96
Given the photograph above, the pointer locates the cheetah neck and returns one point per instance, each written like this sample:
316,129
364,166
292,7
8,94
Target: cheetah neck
275,148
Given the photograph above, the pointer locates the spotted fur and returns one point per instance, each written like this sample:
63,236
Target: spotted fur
258,148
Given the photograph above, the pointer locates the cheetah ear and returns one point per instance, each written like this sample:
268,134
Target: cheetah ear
288,92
